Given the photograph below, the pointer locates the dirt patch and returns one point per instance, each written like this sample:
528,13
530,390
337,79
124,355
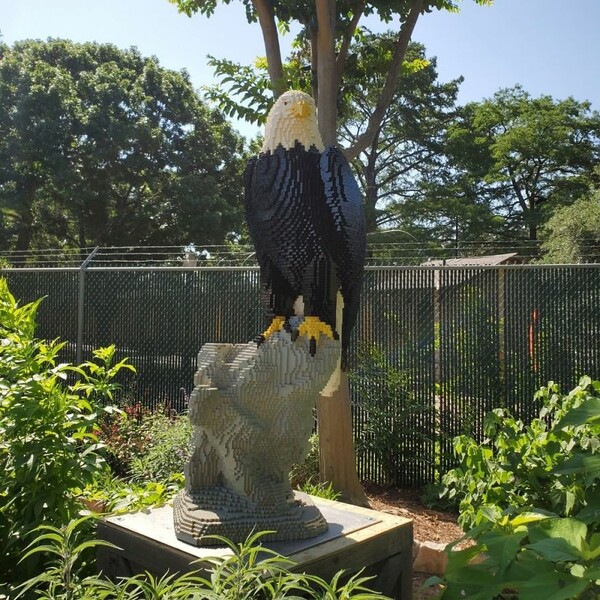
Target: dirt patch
429,525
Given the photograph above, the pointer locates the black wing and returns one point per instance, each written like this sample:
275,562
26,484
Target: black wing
345,233
279,220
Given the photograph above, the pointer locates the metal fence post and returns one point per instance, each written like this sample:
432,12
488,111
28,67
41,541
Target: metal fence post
502,332
80,304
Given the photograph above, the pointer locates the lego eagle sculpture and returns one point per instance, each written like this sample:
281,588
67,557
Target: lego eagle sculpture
252,404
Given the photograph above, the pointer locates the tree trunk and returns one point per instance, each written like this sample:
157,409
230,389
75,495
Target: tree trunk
314,66
391,83
326,101
337,462
25,234
266,19
371,187
337,458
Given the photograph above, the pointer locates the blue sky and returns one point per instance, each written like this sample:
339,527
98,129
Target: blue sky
548,46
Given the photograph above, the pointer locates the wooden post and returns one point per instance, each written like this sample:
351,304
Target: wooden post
337,458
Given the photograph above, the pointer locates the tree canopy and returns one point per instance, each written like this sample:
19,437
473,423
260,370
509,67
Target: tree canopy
572,234
509,162
103,146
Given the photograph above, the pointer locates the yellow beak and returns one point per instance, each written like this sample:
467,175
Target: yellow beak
302,109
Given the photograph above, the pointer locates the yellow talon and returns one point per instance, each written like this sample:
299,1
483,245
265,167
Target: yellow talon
313,327
275,326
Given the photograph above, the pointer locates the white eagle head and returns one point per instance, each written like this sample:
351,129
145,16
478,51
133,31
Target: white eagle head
292,119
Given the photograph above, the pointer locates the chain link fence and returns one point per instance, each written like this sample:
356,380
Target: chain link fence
435,347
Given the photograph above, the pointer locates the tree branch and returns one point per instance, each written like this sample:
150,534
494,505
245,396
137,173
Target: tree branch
314,66
391,82
340,61
266,19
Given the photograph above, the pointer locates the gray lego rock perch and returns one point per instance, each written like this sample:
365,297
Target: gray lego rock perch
252,412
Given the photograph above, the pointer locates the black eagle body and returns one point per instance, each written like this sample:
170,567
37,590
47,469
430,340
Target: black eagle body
306,219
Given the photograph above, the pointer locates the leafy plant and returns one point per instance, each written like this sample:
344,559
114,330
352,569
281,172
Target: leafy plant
167,448
320,489
48,448
143,444
301,474
529,552
124,435
390,428
518,465
70,548
109,494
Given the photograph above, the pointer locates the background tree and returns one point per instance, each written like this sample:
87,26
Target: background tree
103,146
572,234
513,159
450,209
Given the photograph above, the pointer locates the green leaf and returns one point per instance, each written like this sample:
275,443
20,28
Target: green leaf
527,565
527,517
594,543
587,412
578,570
572,531
589,514
556,550
502,548
593,574
552,586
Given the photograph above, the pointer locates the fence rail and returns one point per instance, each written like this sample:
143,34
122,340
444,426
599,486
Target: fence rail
434,349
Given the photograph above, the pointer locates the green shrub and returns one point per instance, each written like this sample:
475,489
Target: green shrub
525,551
302,474
124,436
516,464
392,422
146,451
145,445
526,554
47,443
251,571
168,447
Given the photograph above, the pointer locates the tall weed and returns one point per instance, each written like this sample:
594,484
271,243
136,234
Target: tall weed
250,571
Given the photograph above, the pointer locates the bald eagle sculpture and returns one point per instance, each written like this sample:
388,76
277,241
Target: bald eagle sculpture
305,216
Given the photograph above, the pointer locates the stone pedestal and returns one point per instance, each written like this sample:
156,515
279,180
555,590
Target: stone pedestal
252,412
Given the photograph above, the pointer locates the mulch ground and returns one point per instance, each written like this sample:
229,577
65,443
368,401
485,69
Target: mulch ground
429,525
